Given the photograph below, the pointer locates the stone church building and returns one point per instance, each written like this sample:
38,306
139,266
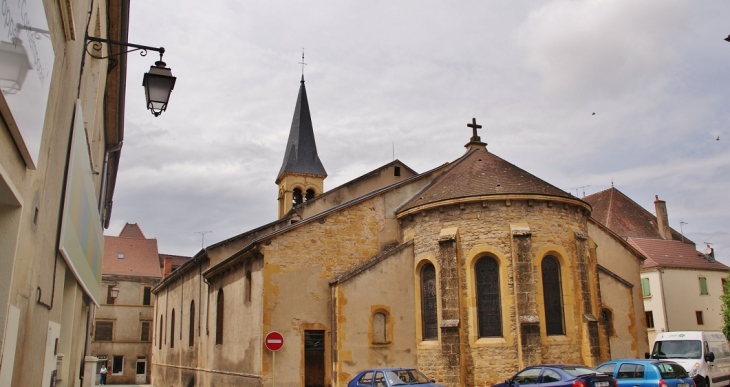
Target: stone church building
469,271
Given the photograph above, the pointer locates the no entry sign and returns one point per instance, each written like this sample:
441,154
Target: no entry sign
274,341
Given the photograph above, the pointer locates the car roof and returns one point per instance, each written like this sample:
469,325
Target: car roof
389,369
650,361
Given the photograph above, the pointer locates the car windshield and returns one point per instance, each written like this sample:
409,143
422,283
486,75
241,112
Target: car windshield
405,376
579,371
677,349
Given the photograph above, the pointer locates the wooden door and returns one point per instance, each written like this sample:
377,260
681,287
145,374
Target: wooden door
314,358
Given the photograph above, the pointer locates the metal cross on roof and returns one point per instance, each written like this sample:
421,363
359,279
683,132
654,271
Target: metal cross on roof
302,62
474,128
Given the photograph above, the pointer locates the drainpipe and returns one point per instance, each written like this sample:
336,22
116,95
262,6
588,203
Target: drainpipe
333,340
664,303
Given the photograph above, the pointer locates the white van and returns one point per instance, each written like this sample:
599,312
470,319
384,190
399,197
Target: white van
705,355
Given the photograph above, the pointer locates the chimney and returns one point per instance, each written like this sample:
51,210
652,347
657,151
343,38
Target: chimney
662,218
166,266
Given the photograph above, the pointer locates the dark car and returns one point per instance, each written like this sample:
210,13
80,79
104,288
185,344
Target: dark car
647,373
559,375
387,377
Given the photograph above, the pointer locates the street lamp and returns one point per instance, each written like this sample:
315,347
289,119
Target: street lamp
114,292
158,82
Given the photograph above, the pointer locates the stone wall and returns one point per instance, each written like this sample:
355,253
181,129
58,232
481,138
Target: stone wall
510,231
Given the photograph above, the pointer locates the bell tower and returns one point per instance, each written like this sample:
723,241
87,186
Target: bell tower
302,174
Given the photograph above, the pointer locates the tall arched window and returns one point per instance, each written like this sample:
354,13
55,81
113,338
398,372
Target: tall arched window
429,310
309,194
489,307
247,296
553,296
191,334
219,318
159,337
172,329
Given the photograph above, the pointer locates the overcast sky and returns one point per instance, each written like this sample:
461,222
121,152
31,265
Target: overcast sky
404,78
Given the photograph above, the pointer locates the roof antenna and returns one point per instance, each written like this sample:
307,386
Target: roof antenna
202,233
302,63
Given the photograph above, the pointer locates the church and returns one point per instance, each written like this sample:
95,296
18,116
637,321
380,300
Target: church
469,271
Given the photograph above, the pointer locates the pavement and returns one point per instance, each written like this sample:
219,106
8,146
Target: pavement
129,385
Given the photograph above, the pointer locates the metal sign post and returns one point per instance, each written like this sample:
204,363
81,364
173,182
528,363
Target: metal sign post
273,342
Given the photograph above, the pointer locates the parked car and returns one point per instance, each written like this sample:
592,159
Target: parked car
559,375
387,377
647,373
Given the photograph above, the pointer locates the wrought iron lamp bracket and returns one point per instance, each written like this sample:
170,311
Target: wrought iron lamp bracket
96,44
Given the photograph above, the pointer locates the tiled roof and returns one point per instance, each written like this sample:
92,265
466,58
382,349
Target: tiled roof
670,253
625,217
480,173
301,149
135,255
132,230
177,260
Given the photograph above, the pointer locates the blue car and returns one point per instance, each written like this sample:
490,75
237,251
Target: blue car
647,373
559,375
387,377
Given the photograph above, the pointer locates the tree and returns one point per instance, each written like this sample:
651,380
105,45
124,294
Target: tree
725,298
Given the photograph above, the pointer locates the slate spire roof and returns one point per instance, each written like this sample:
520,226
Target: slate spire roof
480,173
301,150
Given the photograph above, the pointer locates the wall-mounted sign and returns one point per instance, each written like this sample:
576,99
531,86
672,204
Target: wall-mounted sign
82,238
26,64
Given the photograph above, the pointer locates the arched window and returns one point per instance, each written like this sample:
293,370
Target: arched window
172,329
309,194
297,199
248,286
380,328
159,337
489,307
191,334
553,296
429,310
219,318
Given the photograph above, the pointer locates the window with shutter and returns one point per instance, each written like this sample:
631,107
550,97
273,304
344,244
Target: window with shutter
703,286
645,287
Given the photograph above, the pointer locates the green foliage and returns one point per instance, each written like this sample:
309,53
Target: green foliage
725,298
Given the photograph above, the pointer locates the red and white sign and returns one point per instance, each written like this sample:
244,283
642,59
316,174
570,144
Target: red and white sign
274,341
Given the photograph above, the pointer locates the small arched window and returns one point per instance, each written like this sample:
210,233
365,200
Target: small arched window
310,194
380,326
297,198
607,321
172,329
553,296
219,318
429,310
489,307
191,334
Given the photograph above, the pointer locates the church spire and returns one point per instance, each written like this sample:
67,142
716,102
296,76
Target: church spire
302,173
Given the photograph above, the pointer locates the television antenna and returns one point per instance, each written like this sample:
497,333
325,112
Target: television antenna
582,187
202,233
